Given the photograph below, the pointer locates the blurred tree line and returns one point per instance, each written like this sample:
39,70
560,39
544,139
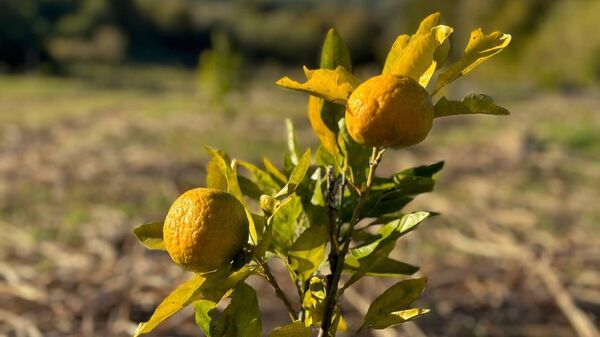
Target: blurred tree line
48,34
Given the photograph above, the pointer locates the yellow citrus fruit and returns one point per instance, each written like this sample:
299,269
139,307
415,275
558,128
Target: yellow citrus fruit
389,111
327,137
204,229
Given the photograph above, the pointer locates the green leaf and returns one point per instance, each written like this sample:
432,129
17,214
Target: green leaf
479,49
415,57
471,104
284,224
385,267
427,171
265,182
335,52
229,170
241,318
275,173
151,235
314,301
332,85
363,258
307,252
390,307
293,152
215,178
295,329
358,156
212,287
297,175
205,314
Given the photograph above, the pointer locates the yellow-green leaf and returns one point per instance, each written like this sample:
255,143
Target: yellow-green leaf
151,235
471,104
335,52
390,308
214,176
332,85
415,57
441,53
241,318
295,329
307,252
479,48
212,287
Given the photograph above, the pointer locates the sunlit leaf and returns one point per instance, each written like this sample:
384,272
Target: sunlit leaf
284,224
441,53
151,235
479,48
205,312
275,173
471,104
229,170
415,57
293,152
214,171
241,318
335,52
314,301
389,308
307,252
263,179
363,258
357,155
332,85
295,329
212,287
297,175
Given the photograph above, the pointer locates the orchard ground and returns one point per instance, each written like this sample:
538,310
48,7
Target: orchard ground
84,159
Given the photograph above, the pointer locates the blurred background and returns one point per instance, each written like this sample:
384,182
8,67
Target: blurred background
105,106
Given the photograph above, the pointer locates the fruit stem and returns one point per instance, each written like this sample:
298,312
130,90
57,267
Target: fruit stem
273,282
336,257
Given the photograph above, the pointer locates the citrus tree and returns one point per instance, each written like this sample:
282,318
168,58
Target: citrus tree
326,215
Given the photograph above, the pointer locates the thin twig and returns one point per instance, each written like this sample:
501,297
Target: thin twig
271,279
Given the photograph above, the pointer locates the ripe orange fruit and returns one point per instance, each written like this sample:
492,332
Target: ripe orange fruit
204,229
389,111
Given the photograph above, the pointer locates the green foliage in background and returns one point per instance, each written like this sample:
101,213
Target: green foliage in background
326,215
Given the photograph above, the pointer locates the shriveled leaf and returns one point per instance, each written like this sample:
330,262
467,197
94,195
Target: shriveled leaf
307,252
479,48
151,235
295,329
332,85
386,309
335,52
241,318
415,58
205,314
212,287
471,104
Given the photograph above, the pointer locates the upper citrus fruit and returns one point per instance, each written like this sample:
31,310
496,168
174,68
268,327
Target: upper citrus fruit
204,229
389,111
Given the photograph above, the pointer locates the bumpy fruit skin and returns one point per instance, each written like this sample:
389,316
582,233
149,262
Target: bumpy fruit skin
204,229
389,111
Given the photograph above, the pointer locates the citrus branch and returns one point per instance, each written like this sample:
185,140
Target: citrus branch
336,257
273,282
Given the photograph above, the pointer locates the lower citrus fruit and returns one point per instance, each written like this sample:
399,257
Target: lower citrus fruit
204,229
389,111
